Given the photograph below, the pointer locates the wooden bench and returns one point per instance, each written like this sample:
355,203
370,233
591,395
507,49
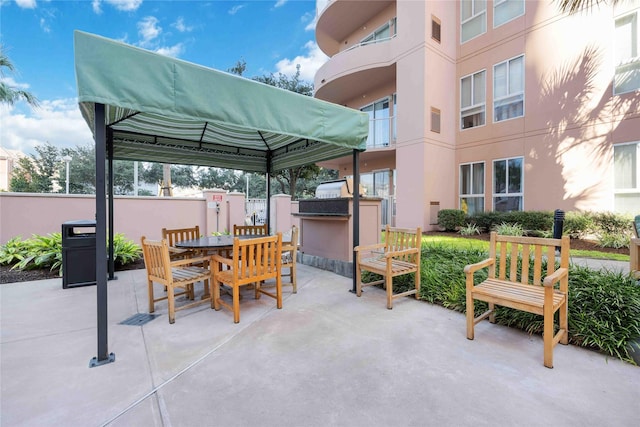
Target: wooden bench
399,254
524,288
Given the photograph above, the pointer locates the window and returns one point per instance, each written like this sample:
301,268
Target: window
626,169
435,29
379,123
627,58
473,19
472,100
506,10
435,120
472,188
383,33
508,177
508,89
395,117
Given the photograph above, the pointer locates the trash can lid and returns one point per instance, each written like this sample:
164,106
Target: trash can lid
87,222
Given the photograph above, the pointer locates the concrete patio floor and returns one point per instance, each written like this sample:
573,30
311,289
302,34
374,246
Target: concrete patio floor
327,358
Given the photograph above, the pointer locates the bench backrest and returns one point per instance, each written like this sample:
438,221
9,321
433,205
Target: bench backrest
532,251
398,239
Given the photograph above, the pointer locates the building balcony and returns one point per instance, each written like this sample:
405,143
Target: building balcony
337,19
356,71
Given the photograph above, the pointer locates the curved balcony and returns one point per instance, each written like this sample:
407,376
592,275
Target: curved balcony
339,18
353,72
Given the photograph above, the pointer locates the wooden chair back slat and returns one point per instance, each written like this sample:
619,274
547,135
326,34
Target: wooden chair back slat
175,235
250,230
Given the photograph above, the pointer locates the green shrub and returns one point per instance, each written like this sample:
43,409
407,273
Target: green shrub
46,252
469,230
609,222
509,229
487,220
531,221
578,224
613,240
604,307
451,219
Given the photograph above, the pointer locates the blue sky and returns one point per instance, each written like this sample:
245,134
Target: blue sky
272,36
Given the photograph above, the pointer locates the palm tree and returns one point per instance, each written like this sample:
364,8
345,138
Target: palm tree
8,94
573,6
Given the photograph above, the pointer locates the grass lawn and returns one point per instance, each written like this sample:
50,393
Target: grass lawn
470,243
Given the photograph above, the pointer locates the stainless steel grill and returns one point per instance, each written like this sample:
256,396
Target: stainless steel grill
336,189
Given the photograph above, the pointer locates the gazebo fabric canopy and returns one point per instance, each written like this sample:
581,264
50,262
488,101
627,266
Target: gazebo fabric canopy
166,110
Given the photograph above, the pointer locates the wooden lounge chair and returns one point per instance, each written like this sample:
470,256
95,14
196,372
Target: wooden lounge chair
399,254
173,274
252,261
523,288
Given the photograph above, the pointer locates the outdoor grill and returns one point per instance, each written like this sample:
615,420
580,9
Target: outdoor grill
332,199
335,189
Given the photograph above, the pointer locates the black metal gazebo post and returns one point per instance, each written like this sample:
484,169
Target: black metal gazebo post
100,133
356,212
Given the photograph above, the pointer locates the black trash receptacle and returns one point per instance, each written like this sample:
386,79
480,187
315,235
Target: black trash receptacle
78,253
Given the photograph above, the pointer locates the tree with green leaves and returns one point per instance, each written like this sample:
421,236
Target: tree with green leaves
10,94
34,174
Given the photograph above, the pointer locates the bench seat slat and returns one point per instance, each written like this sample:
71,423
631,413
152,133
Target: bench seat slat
516,295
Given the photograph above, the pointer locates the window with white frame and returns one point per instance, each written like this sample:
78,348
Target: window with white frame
626,169
472,187
379,123
508,180
627,57
382,33
473,19
508,89
506,10
473,100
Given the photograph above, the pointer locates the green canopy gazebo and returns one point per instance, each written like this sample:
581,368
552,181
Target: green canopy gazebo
145,106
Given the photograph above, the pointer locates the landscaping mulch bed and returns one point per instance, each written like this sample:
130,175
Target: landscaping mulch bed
7,275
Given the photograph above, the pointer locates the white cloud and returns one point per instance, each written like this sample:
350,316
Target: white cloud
96,5
280,3
312,18
309,63
57,122
148,29
181,26
125,5
236,9
44,25
26,4
9,81
173,51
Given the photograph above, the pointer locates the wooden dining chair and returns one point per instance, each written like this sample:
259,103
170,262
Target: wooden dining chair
252,262
175,235
179,273
250,230
289,255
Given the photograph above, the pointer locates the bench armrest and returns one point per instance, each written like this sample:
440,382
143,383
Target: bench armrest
369,247
551,279
472,268
219,259
188,261
393,254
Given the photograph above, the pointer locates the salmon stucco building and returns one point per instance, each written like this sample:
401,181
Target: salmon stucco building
488,105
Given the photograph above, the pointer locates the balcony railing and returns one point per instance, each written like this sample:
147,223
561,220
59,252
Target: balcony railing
382,132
